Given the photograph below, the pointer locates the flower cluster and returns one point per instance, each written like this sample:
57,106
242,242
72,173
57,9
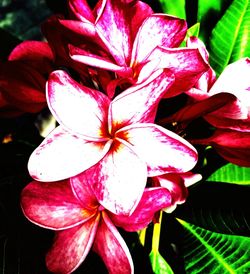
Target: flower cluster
111,161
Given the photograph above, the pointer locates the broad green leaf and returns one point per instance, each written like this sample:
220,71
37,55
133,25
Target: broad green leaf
159,265
204,7
230,37
174,7
214,253
219,207
231,174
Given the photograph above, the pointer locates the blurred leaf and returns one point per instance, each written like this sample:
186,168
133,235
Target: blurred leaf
230,37
219,207
204,7
159,265
232,174
174,7
214,253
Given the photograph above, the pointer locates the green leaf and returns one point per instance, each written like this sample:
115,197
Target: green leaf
229,39
231,174
204,7
174,7
159,265
214,253
219,207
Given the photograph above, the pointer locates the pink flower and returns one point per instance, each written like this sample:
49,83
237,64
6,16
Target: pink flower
71,209
127,38
23,78
116,140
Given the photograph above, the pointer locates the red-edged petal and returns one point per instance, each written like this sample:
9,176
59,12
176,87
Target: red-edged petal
62,155
153,200
71,247
80,109
53,205
81,10
110,246
157,30
186,64
232,145
115,175
91,59
116,23
139,103
162,150
83,191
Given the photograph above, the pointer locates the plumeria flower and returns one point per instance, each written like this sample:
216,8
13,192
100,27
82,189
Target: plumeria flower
123,37
23,77
71,209
116,140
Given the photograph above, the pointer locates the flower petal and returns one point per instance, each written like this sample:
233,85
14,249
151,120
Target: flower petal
232,81
139,103
71,246
91,59
114,176
110,246
81,10
62,155
162,150
119,35
186,64
157,30
53,205
70,102
232,145
153,200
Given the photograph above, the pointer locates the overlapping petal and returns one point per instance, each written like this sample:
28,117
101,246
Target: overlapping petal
62,155
139,103
153,200
157,30
53,205
69,101
162,150
71,246
112,179
112,249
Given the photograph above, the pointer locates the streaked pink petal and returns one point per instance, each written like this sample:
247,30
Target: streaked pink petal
81,10
153,200
83,191
201,108
162,150
139,103
157,30
62,155
186,64
115,175
71,247
70,102
85,29
90,59
235,124
53,205
111,247
232,145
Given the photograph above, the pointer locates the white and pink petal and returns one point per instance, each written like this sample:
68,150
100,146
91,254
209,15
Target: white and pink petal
78,108
162,150
63,155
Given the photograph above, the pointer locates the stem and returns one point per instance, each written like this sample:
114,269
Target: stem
156,234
